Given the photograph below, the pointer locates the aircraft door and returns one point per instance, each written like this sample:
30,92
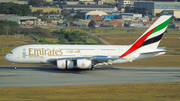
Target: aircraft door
18,55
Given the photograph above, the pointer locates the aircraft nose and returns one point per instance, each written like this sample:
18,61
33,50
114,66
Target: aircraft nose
7,57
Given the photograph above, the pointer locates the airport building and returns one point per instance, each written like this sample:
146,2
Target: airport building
25,20
97,15
129,16
127,2
155,8
175,13
5,16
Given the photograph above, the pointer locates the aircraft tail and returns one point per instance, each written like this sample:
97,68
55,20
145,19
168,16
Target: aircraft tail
152,37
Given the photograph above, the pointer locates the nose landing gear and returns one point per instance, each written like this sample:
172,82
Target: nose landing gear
15,66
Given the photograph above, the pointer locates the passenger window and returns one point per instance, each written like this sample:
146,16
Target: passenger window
10,52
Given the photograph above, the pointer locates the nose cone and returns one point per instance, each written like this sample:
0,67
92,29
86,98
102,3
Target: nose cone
8,58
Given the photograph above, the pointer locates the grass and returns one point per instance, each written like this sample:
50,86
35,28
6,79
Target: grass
7,43
8,40
132,92
159,61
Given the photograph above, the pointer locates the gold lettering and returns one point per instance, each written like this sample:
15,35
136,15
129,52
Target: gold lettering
49,53
61,52
45,52
37,52
30,51
56,52
40,53
53,51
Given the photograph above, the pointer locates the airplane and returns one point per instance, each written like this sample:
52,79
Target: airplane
89,56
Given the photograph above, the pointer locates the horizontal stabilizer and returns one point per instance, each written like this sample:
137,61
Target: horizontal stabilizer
159,51
161,47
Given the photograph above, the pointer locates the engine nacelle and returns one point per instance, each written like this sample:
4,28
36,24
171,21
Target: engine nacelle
84,64
65,64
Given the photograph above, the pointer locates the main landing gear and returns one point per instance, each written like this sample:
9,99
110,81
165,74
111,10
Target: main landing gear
93,68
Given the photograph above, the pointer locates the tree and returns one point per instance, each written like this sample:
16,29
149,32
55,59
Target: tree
65,12
58,12
38,12
119,7
42,18
81,3
25,10
13,8
35,2
77,16
8,27
63,3
91,24
7,30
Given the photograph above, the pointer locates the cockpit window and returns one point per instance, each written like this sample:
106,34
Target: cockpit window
10,52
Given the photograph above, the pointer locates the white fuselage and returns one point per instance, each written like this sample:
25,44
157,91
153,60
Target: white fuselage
43,53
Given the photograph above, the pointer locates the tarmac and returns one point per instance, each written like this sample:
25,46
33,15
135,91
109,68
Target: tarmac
43,76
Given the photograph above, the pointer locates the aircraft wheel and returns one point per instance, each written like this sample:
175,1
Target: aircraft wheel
15,67
92,68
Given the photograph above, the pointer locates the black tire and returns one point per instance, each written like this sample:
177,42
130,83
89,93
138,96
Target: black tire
15,67
92,68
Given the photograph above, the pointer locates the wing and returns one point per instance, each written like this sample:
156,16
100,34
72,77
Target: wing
93,58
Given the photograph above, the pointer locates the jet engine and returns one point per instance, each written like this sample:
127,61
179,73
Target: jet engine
84,64
65,64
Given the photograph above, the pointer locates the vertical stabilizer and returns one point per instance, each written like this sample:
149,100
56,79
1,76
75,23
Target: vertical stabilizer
152,36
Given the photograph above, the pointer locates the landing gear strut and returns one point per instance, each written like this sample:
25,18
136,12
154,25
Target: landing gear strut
92,68
15,66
